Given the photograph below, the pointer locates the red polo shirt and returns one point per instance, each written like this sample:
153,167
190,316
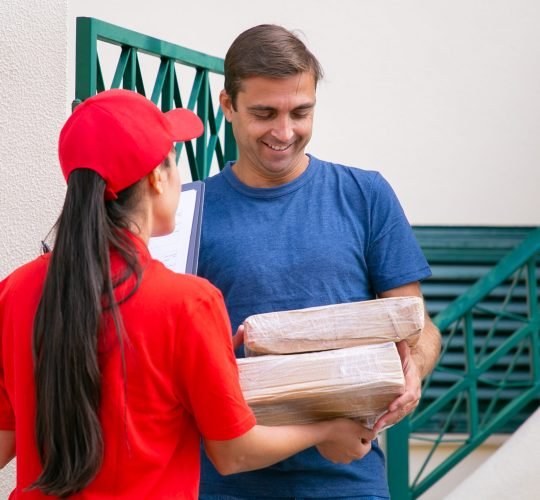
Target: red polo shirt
182,382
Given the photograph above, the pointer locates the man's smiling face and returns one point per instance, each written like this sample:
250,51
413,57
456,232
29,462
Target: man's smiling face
272,122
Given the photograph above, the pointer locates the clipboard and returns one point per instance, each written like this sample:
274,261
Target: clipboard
179,251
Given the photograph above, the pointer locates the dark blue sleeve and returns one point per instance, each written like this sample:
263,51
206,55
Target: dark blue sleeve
394,257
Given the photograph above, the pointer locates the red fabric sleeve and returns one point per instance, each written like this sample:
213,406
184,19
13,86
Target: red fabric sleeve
210,373
7,417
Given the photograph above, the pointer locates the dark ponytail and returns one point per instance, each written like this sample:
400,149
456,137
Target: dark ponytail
78,294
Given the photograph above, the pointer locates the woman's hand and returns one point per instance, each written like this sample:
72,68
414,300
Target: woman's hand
347,441
238,338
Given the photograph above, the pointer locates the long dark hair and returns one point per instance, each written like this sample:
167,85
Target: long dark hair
77,296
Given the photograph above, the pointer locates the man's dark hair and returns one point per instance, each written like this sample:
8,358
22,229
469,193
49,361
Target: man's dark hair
269,51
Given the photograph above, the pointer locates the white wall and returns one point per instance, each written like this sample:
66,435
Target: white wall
33,91
440,95
510,473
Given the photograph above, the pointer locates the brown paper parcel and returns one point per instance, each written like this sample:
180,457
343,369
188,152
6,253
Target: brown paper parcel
335,326
355,382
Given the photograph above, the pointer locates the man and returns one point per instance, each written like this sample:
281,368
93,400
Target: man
283,230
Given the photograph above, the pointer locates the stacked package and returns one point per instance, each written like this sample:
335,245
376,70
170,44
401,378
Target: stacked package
352,370
335,326
355,382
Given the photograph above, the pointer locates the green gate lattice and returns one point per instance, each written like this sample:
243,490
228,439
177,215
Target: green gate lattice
489,370
166,89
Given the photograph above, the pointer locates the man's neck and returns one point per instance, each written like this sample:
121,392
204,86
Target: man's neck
256,179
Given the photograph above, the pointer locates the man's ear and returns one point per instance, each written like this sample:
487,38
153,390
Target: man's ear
226,105
155,180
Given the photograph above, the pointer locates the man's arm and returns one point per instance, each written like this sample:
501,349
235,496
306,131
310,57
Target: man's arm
417,362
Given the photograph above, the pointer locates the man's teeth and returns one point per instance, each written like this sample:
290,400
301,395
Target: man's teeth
277,148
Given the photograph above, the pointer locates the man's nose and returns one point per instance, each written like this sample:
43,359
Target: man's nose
282,129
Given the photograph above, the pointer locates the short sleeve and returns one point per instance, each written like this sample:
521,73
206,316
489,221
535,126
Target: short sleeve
209,373
394,257
7,416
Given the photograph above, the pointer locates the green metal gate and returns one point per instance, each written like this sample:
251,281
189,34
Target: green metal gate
488,376
165,89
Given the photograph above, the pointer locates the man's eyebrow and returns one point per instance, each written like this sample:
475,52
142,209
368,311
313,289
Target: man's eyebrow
262,107
307,105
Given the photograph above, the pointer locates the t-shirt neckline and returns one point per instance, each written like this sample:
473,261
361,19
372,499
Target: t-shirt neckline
269,192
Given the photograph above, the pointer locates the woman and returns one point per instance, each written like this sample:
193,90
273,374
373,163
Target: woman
112,367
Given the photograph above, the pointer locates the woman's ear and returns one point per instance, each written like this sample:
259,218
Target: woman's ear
155,180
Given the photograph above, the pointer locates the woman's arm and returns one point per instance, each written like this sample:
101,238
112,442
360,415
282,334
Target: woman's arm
7,447
340,441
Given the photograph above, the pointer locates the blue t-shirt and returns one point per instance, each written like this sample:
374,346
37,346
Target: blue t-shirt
334,234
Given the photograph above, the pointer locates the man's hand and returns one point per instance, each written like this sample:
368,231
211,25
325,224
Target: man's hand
408,401
416,364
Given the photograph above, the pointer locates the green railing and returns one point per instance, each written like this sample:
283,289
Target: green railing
165,84
488,372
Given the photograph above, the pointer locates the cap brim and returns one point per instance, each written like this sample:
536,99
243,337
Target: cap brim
185,124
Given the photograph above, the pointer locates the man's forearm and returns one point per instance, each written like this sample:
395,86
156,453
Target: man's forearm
426,352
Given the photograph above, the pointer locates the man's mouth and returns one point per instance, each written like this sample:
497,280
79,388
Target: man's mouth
275,147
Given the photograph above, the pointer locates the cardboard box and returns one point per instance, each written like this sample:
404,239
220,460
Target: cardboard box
355,382
335,326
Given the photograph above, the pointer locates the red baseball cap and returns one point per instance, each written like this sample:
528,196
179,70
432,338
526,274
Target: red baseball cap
122,136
